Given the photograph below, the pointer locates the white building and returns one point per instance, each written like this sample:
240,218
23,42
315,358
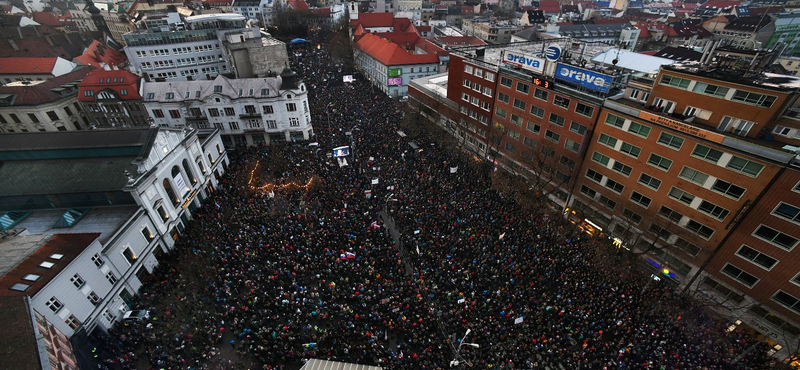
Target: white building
80,243
247,111
389,67
175,49
255,9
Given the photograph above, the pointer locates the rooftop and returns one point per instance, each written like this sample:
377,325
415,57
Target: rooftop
36,270
202,89
43,92
27,65
19,345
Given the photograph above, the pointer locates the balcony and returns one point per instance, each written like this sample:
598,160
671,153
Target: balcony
250,115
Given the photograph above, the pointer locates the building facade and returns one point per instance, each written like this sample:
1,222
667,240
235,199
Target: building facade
98,229
52,105
251,111
110,98
172,48
389,67
489,31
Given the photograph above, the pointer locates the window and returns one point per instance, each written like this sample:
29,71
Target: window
213,112
14,118
713,210
632,216
229,111
787,211
513,134
736,126
639,129
174,113
501,112
158,113
33,118
572,145
704,231
776,237
673,81
745,166
488,76
129,256
739,275
693,175
649,181
540,94
567,162
111,277
670,140
468,69
20,287
562,177
268,109
73,322
505,81
584,109
532,127
52,115
606,201
529,142
510,148
709,154
523,88
787,300
92,297
54,304
77,281
487,91
630,149
687,247
235,125
577,128
607,140
170,96
641,199
615,121
614,186
552,135
681,196
594,175
601,158
704,88
765,101
659,231
670,214
622,168
218,88
587,191
556,120
536,111
561,101
291,107
756,257
519,104
728,189
91,93
98,261
659,161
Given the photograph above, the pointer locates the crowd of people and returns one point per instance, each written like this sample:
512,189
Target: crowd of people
402,259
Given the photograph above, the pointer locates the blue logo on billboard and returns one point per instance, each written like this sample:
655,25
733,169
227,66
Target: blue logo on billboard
553,53
583,77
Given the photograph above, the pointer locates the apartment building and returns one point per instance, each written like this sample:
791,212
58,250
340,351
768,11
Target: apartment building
489,31
246,111
52,105
695,167
388,66
110,97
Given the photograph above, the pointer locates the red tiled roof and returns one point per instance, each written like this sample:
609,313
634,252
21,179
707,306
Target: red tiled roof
27,65
423,28
391,54
768,10
402,25
690,6
643,31
430,48
403,39
46,18
68,245
28,95
720,4
20,350
114,80
549,6
297,5
372,20
97,53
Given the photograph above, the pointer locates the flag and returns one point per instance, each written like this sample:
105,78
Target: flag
342,256
519,320
374,225
375,181
454,169
503,235
350,255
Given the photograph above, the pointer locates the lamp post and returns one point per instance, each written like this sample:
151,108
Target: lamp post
458,356
328,111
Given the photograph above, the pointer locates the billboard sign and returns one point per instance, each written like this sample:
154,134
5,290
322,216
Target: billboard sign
395,72
394,81
553,52
524,61
583,77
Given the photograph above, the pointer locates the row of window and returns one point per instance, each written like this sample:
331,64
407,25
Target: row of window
477,72
742,96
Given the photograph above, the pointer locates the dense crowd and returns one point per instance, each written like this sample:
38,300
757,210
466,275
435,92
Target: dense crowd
390,260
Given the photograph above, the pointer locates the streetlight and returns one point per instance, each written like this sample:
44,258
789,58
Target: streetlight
461,343
328,111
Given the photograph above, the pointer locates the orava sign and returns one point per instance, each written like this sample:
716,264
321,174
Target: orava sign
584,77
524,61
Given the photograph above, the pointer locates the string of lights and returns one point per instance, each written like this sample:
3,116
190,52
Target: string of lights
271,186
